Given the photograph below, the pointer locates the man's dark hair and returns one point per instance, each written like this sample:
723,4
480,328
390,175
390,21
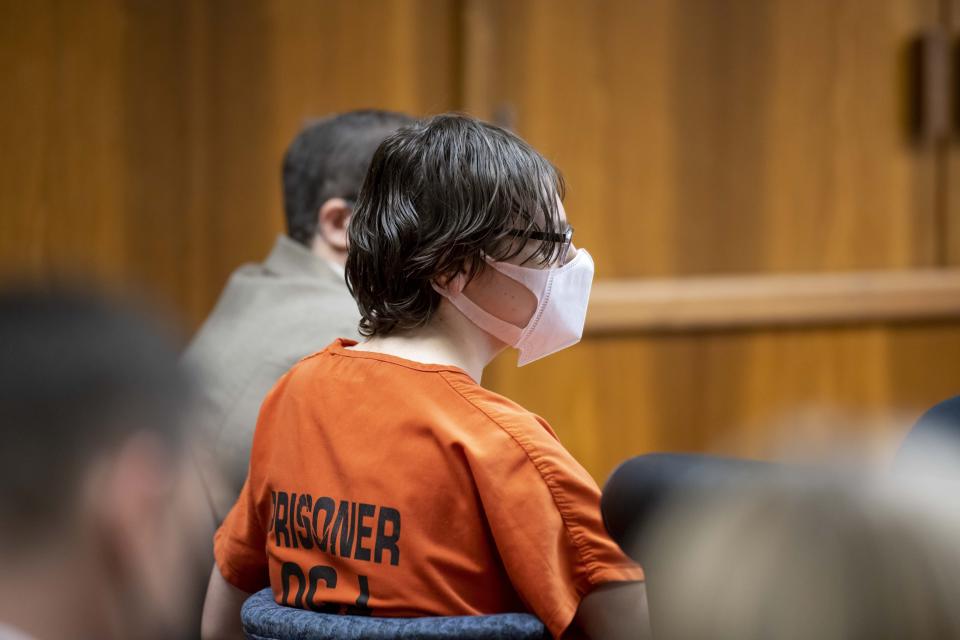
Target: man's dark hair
77,374
440,196
329,159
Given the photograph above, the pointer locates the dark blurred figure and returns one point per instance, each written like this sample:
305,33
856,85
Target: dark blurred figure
936,434
641,488
294,303
100,510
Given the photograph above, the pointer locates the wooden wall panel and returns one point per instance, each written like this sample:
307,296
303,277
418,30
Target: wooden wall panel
142,140
722,135
164,81
727,136
950,190
61,196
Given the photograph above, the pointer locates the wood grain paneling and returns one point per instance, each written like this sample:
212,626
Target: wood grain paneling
723,135
950,180
142,140
61,187
730,136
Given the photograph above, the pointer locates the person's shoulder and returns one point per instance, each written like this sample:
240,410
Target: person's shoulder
514,438
265,317
524,426
298,382
237,304
243,278
256,282
311,364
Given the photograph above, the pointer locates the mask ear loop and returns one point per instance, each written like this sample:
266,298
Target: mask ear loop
456,284
493,325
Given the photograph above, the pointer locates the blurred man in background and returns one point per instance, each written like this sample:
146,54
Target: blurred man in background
100,514
294,303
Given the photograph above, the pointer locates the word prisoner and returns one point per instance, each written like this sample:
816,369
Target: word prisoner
342,528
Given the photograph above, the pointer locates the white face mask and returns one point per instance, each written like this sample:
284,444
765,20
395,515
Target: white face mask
562,297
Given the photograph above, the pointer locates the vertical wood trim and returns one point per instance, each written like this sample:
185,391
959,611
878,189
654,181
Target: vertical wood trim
477,58
941,150
198,237
948,221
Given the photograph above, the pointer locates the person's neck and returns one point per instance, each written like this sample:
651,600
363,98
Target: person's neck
449,339
49,596
325,252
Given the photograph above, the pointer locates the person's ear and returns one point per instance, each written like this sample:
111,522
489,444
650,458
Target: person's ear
134,485
453,284
332,220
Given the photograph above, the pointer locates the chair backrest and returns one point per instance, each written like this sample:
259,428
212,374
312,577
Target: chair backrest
264,619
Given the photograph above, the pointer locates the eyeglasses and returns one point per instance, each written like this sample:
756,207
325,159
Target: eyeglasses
565,239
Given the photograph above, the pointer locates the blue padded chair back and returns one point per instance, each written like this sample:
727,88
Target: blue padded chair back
264,619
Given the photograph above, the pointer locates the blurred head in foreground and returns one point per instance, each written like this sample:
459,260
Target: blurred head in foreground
97,503
818,558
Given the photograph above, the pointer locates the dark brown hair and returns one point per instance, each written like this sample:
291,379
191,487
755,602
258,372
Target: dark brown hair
438,197
328,159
